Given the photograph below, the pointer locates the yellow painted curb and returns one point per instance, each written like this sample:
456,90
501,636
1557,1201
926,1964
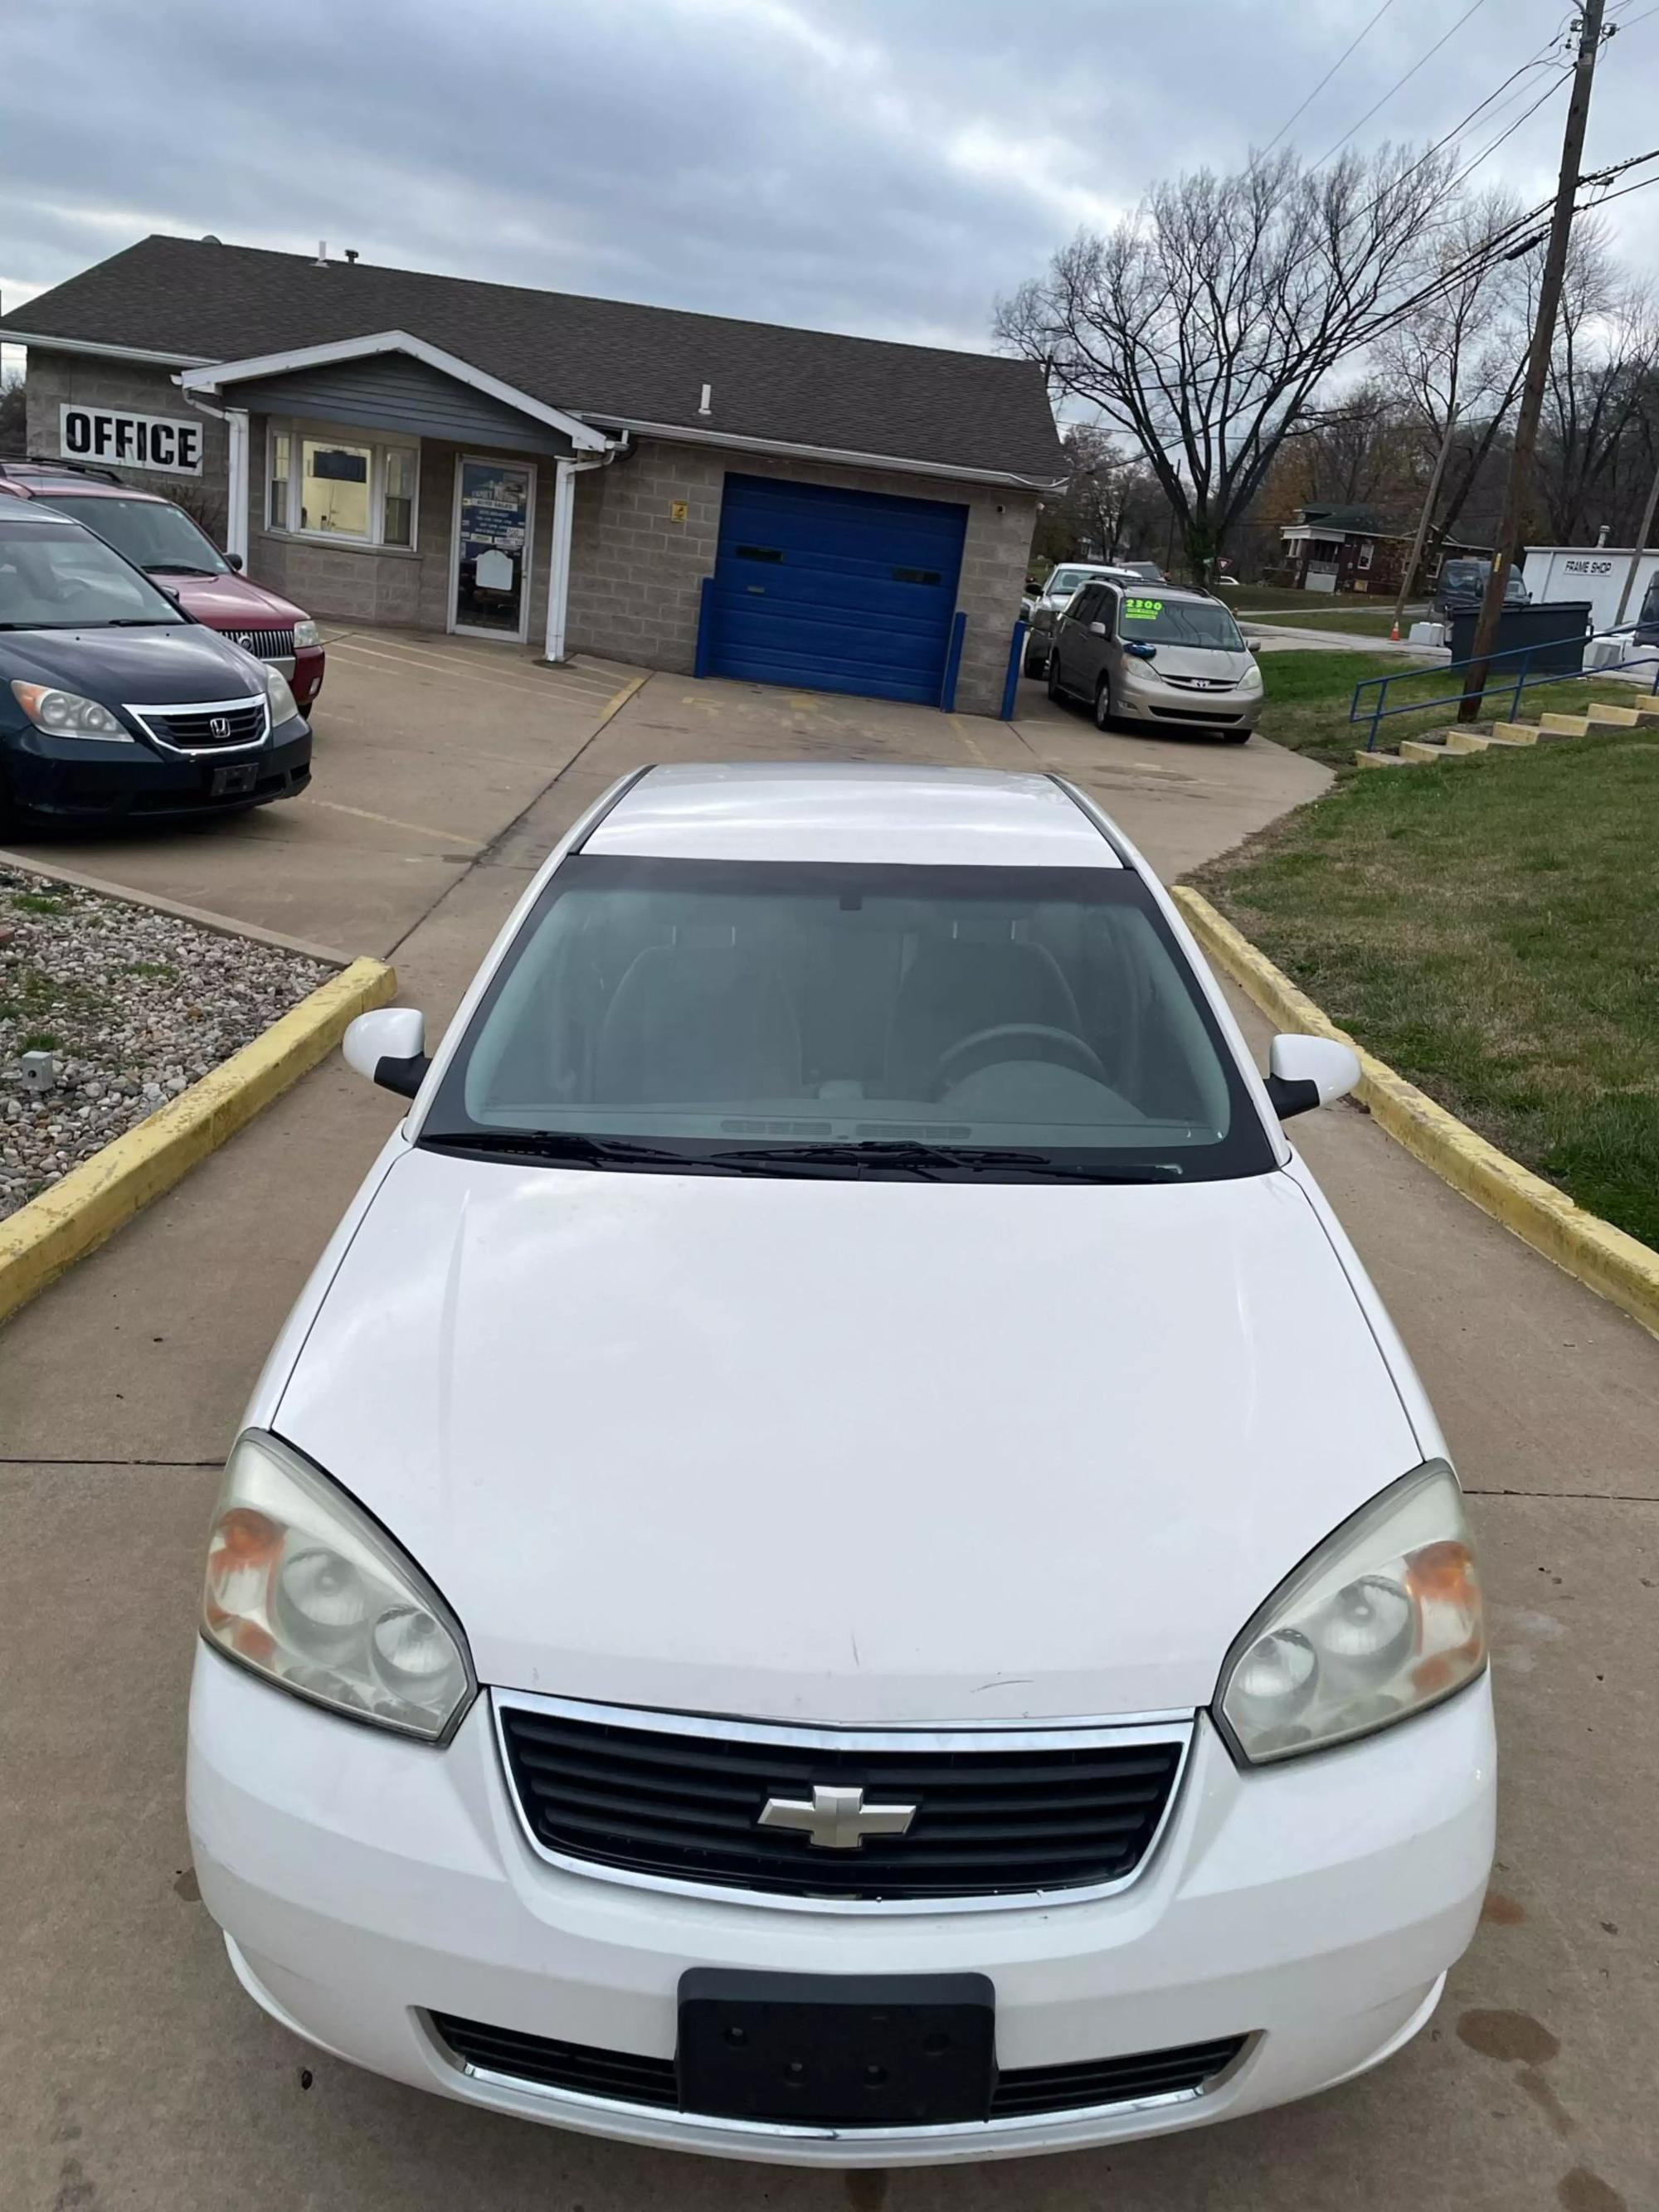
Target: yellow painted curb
1617,1266
93,1201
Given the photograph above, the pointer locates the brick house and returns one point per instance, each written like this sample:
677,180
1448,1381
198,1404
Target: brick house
1354,549
683,491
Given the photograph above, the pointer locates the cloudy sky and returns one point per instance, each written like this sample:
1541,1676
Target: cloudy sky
885,166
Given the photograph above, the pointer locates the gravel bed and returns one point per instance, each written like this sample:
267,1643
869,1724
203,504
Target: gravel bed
133,1006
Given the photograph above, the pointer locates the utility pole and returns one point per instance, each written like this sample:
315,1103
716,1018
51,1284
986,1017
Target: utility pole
1426,518
1519,487
1642,537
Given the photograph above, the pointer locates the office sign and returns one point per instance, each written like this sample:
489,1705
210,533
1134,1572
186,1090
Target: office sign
161,443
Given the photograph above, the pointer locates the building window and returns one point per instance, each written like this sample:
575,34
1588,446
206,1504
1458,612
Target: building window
350,490
1367,553
334,488
399,501
277,478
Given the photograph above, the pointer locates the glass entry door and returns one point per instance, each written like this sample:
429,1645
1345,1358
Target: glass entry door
490,577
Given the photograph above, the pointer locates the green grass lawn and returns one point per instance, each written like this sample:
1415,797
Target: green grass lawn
1364,618
1308,697
1488,927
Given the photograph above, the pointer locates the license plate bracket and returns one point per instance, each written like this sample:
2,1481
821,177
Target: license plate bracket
231,777
836,2049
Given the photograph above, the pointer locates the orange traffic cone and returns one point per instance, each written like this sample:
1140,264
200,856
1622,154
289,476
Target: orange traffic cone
1393,635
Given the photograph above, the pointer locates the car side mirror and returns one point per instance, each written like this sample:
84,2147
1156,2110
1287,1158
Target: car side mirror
1305,1072
233,560
389,1048
1253,645
1097,629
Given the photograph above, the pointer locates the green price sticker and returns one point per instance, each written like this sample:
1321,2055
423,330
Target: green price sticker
1143,610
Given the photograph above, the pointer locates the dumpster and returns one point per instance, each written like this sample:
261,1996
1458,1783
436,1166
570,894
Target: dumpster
1557,630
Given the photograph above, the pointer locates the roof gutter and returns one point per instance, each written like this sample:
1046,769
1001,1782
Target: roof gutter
681,434
110,352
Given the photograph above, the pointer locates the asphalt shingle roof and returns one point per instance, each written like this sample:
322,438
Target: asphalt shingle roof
604,357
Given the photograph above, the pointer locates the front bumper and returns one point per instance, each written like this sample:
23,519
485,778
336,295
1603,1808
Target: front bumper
90,781
364,1882
1178,709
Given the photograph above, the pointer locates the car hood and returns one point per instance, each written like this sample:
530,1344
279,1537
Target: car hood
1213,662
172,666
843,1451
232,602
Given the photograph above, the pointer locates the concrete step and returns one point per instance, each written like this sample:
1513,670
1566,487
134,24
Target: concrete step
1604,717
1471,741
1362,759
1565,725
1517,733
1417,748
1645,710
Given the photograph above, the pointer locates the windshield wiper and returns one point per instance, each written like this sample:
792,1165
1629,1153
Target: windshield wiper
135,622
564,1147
176,568
929,1163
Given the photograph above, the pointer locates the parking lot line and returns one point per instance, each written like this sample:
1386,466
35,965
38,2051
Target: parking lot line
577,683
392,822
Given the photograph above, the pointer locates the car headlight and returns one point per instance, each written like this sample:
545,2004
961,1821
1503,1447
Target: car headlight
66,713
305,632
283,706
1381,1620
305,1589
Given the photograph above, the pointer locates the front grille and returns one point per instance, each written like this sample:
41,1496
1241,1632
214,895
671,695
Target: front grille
267,644
209,728
1217,713
1072,1812
622,2077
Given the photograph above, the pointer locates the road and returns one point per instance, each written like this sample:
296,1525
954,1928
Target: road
138,2075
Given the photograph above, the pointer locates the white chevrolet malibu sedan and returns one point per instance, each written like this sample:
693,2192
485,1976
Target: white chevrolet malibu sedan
839,1562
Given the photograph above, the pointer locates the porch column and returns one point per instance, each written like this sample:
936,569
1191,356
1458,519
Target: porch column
236,488
558,573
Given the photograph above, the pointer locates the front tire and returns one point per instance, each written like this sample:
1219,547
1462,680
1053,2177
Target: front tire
1236,736
1056,691
1033,663
1104,704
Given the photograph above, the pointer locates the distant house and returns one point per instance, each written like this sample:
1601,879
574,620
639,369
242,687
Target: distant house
1356,549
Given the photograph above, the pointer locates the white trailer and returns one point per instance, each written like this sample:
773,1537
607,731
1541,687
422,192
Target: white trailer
1596,573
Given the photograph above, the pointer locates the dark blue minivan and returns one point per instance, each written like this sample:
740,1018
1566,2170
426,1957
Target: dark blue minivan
114,703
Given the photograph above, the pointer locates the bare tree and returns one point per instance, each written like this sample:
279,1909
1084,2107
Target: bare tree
1205,323
1606,349
13,416
1458,360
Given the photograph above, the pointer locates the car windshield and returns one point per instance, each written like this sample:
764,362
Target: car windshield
153,533
55,576
1065,581
748,1018
1154,620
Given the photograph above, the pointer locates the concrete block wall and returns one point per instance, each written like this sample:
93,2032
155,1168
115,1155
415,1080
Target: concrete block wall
387,584
636,574
55,379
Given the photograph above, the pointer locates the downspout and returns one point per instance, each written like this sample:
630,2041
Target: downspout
236,484
564,508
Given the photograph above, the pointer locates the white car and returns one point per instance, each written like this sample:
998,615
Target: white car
838,1562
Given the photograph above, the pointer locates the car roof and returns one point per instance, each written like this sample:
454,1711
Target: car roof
850,812
41,479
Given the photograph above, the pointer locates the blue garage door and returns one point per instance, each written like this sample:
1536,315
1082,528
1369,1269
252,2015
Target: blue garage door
834,591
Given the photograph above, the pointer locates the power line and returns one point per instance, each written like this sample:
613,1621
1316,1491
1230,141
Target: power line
1526,116
1401,84
1328,75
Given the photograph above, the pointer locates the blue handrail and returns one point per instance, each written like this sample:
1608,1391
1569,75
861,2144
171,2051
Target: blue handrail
1381,711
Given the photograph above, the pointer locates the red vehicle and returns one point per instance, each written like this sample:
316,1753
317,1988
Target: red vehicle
160,538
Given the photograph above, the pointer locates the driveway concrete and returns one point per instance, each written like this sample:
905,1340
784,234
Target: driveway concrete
135,2073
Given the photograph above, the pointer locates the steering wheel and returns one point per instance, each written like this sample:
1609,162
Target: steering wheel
984,1048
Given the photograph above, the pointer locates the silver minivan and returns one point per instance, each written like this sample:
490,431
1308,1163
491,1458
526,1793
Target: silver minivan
1156,654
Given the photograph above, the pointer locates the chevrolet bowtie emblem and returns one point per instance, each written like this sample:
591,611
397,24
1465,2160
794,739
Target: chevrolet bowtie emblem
835,1819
